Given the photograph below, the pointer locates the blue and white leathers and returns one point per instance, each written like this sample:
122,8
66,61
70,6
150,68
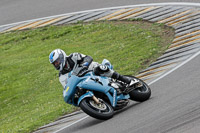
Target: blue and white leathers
91,83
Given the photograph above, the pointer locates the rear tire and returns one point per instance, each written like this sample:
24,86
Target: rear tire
140,94
103,112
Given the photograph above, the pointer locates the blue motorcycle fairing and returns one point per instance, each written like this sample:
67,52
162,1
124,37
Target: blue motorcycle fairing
101,85
70,88
95,83
92,83
120,97
88,94
113,98
72,83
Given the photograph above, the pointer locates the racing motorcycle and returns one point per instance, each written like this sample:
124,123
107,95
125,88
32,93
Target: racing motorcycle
100,96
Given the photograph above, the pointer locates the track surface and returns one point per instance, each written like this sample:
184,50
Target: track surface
175,102
12,11
174,107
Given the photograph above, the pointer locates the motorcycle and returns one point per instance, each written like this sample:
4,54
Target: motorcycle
100,96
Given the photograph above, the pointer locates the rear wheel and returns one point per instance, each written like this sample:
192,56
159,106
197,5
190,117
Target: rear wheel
142,93
102,111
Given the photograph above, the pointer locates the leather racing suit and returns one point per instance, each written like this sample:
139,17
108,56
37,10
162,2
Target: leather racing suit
76,61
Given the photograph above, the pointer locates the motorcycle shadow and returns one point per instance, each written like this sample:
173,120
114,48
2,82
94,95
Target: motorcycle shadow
131,105
92,122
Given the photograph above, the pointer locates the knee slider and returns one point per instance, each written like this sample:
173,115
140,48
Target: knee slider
101,69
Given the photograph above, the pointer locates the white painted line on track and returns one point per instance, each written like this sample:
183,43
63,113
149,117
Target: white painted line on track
71,124
109,8
183,63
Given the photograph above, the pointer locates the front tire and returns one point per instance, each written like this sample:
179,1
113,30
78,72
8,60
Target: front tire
142,93
103,111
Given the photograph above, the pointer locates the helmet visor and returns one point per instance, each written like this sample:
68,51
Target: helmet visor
56,64
59,61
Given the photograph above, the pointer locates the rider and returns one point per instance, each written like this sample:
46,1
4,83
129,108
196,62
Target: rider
78,61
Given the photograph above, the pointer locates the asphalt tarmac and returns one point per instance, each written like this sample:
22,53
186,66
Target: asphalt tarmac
12,11
173,108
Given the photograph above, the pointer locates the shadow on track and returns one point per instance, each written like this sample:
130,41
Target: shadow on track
131,104
92,122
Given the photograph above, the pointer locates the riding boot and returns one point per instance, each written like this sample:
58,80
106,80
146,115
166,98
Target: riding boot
121,78
124,79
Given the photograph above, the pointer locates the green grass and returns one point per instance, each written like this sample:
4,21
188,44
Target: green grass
30,93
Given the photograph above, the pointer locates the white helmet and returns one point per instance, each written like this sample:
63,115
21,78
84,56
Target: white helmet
58,58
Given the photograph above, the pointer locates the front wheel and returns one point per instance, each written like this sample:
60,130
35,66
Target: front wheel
142,93
102,111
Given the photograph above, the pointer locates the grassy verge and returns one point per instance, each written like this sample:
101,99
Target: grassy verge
30,93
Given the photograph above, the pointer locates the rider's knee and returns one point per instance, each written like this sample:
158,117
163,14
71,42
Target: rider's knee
103,70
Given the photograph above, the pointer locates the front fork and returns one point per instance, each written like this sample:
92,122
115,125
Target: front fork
89,94
96,99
